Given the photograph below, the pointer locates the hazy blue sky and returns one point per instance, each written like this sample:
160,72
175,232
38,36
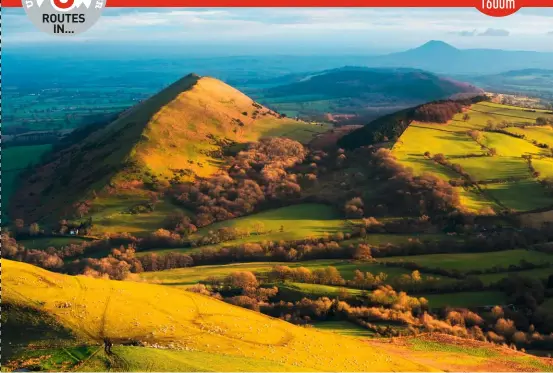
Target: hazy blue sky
300,30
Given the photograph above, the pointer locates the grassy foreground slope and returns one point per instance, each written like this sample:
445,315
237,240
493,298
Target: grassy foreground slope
455,354
177,134
65,318
206,332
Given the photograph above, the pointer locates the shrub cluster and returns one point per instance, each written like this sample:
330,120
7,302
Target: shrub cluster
257,175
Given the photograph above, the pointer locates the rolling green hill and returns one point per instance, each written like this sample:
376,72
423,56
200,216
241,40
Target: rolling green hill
486,144
389,127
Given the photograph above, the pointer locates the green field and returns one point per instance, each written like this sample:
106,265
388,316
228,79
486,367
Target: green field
465,299
473,356
475,261
436,140
111,214
71,107
474,200
297,222
421,165
299,105
344,328
189,276
184,277
428,346
293,291
544,166
508,146
525,195
491,168
540,134
517,114
541,273
299,131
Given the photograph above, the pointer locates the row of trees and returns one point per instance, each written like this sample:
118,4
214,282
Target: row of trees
438,112
361,280
325,247
329,246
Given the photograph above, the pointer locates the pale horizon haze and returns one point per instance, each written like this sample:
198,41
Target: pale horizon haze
301,31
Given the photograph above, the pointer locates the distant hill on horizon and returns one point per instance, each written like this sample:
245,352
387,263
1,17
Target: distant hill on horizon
364,83
532,82
361,92
443,58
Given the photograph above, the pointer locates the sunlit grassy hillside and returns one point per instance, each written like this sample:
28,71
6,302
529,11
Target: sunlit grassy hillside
178,134
203,332
160,328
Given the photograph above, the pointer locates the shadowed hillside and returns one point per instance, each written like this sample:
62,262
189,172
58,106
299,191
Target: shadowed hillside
364,83
357,94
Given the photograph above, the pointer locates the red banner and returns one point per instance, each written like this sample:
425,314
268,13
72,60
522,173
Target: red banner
496,8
